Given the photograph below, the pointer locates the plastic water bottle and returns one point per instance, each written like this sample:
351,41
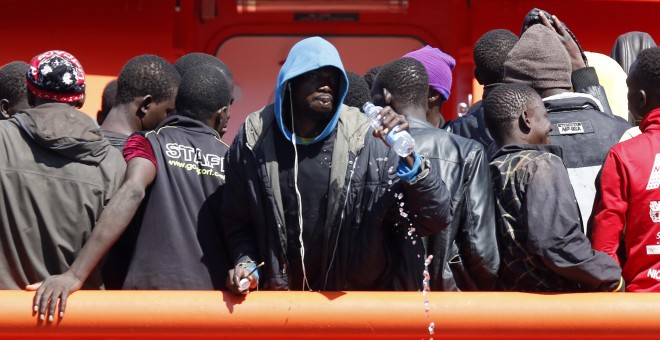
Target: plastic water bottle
401,141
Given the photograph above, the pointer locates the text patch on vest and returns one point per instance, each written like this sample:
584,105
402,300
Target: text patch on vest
570,128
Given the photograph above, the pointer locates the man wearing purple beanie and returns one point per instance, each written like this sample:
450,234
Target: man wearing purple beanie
465,254
438,66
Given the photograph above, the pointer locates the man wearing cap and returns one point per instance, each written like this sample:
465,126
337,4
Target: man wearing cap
438,66
465,254
579,124
56,175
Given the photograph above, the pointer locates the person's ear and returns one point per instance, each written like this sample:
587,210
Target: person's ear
643,100
217,118
433,96
145,104
4,108
224,111
525,122
387,96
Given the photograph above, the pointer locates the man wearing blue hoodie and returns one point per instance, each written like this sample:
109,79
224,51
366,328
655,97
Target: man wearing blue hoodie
314,195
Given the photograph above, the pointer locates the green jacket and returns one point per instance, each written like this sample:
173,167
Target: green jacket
56,175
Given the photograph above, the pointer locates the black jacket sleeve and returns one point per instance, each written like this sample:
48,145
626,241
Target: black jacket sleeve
477,242
428,201
236,216
585,80
555,229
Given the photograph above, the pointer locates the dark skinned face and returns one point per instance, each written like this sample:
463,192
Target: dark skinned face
316,93
224,120
540,126
157,112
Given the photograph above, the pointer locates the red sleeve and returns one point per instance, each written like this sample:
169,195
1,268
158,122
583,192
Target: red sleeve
138,146
610,213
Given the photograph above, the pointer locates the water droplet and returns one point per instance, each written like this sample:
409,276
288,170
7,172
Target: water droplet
432,328
414,242
428,260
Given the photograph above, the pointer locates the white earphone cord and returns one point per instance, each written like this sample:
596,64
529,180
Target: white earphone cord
298,196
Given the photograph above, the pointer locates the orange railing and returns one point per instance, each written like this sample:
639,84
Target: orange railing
344,315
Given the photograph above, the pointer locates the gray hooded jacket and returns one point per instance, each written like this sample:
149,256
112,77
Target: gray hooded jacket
56,175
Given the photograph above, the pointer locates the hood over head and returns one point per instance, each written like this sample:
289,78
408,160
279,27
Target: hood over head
307,55
627,46
64,130
539,60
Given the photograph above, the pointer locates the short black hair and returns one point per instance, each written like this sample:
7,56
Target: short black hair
370,76
504,105
358,91
147,74
647,68
13,86
203,91
406,79
194,59
490,52
107,100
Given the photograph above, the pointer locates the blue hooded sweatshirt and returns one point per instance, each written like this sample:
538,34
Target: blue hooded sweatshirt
308,55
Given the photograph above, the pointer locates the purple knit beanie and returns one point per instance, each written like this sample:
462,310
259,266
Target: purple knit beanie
438,66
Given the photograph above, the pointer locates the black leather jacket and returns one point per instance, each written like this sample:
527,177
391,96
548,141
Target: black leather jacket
465,255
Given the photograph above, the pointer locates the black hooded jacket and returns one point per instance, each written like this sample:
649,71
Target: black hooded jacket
627,47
